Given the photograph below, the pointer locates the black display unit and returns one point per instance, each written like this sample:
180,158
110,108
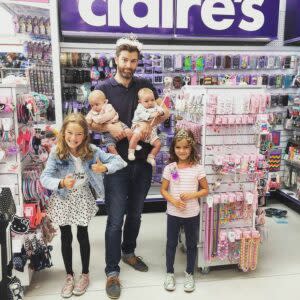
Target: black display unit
6,267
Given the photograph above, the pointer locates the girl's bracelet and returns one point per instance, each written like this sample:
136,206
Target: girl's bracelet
62,183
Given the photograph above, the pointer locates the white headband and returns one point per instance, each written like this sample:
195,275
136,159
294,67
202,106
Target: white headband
130,40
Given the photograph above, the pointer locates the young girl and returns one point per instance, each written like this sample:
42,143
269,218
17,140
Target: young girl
72,167
183,183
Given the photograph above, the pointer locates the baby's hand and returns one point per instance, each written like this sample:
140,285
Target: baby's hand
186,196
180,204
98,167
69,182
89,120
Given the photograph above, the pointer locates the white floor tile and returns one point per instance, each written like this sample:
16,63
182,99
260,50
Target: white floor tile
276,277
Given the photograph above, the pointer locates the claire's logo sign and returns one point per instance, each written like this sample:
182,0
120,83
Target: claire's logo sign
208,10
193,17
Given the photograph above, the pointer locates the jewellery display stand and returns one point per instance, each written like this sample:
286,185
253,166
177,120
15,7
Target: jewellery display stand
11,176
229,141
11,166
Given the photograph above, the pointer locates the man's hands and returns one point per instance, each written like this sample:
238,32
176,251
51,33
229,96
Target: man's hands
115,130
98,167
146,129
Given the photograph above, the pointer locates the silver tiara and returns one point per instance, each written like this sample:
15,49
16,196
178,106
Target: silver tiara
183,134
131,40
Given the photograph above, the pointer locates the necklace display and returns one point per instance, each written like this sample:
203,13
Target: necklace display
249,251
254,252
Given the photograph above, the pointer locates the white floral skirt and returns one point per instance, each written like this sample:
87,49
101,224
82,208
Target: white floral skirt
78,207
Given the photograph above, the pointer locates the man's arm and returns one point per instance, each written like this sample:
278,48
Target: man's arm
98,127
115,129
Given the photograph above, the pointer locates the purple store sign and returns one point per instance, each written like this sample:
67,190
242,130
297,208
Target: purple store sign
229,19
292,24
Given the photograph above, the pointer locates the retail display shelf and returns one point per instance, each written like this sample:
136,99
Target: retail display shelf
289,195
293,163
12,85
26,7
294,141
228,86
77,68
150,198
154,198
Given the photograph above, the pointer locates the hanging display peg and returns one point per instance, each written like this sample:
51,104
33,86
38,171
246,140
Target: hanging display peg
187,79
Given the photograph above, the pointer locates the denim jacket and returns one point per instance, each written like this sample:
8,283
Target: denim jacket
57,169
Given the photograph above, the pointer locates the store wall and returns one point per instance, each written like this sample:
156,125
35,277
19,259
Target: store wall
6,18
8,40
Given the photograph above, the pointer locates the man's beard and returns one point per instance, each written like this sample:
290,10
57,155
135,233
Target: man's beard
126,75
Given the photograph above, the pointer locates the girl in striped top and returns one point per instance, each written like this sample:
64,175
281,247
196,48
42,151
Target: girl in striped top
183,183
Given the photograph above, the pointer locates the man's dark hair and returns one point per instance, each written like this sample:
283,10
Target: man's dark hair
126,47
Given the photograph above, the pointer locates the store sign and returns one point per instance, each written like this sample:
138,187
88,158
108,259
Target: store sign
188,18
35,1
292,24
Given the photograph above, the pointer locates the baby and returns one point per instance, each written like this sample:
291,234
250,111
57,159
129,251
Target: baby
147,110
103,113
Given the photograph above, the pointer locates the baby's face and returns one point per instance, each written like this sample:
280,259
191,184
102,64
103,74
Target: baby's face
97,104
148,100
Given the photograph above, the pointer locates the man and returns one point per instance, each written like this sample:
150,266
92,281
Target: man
125,191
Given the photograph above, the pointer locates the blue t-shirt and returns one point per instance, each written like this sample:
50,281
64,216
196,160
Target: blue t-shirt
125,100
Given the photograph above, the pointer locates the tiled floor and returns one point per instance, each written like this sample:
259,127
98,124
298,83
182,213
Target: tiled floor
277,275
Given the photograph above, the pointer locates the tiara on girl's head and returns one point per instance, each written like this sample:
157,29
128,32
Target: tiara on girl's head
183,134
130,40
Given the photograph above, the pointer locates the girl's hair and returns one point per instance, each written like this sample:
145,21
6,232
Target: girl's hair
62,149
184,134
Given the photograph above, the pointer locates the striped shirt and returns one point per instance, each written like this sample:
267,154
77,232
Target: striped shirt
187,181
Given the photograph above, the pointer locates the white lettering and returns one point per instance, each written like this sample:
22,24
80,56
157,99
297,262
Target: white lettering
183,7
113,12
151,19
257,16
86,13
208,11
167,14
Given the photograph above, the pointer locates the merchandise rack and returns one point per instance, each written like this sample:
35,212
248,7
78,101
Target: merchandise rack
211,139
5,259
